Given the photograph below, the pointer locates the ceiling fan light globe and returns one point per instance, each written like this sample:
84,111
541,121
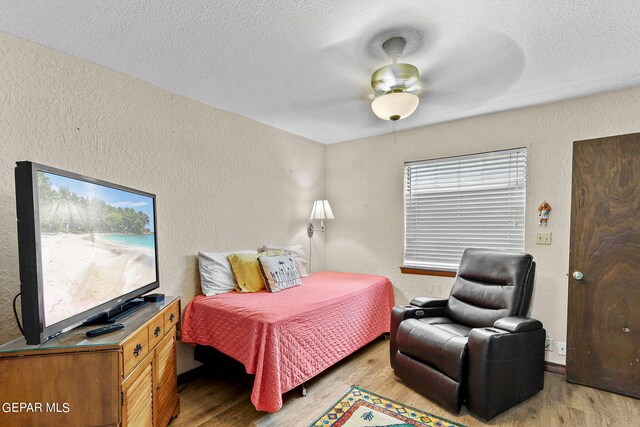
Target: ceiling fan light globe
395,106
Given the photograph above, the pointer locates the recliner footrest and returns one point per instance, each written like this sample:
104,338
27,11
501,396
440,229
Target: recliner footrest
429,381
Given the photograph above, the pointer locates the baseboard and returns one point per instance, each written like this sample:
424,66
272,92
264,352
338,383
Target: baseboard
555,368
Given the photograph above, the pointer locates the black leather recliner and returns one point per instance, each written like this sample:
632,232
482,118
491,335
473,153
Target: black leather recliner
478,347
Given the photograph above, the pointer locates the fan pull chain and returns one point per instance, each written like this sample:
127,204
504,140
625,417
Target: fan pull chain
395,132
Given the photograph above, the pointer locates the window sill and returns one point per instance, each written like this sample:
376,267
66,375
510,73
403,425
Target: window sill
427,272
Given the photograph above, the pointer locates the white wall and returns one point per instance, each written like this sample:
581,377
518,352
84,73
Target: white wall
365,188
226,182
222,181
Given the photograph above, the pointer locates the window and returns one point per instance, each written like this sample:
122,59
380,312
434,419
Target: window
461,202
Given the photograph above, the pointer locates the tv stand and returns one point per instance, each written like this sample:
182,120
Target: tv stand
126,378
118,313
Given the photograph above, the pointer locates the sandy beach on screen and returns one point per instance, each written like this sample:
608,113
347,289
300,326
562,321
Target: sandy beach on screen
81,271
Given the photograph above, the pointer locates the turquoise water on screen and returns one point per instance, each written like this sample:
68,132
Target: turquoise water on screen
147,241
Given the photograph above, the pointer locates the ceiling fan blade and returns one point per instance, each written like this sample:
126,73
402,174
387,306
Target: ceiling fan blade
353,60
328,102
458,76
347,118
336,71
417,88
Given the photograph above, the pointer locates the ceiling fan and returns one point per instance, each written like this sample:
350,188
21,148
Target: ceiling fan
395,85
448,72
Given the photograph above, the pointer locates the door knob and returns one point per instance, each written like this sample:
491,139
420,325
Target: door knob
578,275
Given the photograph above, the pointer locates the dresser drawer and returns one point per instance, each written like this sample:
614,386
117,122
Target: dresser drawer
135,349
156,330
171,316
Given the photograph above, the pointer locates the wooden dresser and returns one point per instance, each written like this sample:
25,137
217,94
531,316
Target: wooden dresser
125,378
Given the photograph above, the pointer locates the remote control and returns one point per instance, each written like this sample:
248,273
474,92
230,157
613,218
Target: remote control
104,330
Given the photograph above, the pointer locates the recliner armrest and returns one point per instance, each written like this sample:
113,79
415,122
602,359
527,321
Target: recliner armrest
403,312
425,302
517,324
504,368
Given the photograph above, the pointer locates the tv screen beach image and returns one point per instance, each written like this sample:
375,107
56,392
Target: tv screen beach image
97,243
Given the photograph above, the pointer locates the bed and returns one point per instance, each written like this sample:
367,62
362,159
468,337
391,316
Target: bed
288,337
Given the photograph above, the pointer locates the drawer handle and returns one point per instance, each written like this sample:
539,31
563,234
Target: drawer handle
156,332
137,350
172,317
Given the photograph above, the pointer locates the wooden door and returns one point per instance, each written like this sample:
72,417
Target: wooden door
604,306
166,394
137,398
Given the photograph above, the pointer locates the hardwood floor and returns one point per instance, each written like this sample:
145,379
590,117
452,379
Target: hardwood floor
212,401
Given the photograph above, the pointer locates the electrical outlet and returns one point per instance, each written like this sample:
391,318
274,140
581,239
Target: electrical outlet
562,348
543,238
548,344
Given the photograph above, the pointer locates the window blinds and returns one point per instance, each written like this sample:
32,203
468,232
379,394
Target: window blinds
461,202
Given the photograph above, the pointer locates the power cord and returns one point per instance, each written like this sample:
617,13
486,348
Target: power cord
309,255
15,313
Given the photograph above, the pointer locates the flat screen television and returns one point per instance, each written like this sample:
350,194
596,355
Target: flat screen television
85,247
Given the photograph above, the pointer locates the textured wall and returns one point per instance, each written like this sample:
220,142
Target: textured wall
365,187
222,181
227,182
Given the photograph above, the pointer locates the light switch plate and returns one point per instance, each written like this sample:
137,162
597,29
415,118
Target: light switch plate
543,238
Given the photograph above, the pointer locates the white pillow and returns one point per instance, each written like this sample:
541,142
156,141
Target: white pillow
216,276
300,260
279,272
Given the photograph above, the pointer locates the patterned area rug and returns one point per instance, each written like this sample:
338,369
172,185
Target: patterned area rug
361,408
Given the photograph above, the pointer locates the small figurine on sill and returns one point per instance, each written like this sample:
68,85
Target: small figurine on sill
544,210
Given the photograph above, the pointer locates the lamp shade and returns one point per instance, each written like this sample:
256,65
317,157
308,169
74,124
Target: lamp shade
395,105
321,210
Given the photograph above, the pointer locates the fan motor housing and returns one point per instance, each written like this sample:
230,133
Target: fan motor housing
394,77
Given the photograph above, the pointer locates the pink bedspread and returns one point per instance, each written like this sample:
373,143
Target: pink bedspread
286,338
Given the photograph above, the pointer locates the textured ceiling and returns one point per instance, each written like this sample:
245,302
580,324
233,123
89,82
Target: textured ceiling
304,66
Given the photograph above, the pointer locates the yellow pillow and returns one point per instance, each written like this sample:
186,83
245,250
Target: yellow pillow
246,270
